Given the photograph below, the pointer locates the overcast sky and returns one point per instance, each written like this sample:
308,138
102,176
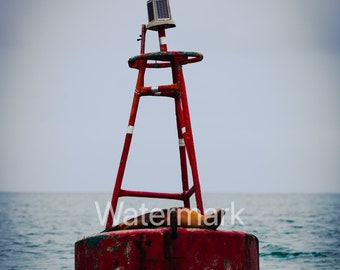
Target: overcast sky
264,101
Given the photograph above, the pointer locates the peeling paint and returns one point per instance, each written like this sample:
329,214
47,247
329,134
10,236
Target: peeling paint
93,241
155,249
226,264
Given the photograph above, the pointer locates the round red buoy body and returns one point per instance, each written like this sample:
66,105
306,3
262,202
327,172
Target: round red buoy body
161,249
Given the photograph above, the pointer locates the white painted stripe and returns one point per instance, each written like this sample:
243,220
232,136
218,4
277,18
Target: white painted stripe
154,89
130,129
183,130
181,142
162,40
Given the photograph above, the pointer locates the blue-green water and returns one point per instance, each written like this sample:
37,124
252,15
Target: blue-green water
38,230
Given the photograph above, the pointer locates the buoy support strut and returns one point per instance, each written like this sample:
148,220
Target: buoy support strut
177,90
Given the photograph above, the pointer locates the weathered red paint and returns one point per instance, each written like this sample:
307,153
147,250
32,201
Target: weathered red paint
155,249
177,91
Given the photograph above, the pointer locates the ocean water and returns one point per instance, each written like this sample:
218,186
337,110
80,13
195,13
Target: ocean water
295,231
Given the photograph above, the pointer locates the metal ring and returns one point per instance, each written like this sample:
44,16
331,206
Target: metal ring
165,58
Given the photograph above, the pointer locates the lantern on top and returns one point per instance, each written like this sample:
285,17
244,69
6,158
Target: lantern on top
159,15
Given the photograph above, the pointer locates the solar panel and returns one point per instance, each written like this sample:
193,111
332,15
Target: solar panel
151,14
162,9
159,15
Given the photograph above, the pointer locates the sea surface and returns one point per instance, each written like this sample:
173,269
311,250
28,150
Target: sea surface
295,231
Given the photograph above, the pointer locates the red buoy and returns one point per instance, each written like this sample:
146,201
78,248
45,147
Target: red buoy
157,249
166,247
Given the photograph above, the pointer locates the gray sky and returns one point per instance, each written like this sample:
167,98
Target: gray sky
264,101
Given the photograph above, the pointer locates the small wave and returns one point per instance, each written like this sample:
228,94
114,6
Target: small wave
283,254
276,251
287,220
297,227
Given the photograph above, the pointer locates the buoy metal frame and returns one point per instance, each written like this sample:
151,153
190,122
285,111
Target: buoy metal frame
176,90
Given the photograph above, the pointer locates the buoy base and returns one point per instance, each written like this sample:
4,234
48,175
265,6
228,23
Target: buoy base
160,249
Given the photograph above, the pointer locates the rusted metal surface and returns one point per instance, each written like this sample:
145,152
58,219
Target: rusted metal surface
158,249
